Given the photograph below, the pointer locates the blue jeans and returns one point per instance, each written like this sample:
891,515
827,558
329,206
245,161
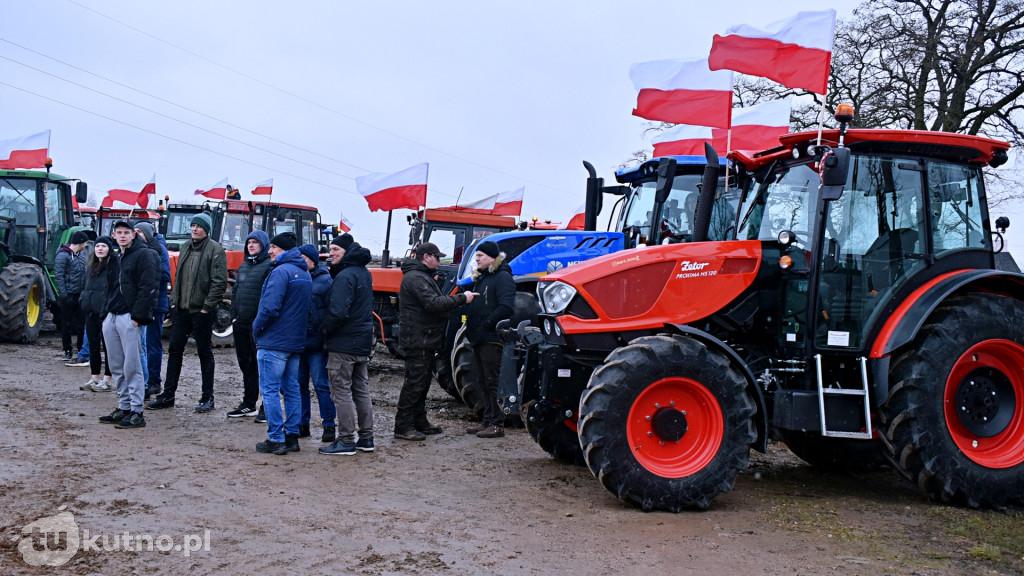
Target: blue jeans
155,347
279,376
314,364
83,353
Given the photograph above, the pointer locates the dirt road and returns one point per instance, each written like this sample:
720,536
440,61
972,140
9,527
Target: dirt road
454,504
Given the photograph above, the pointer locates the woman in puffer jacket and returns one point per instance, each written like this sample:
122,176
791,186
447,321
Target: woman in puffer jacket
103,266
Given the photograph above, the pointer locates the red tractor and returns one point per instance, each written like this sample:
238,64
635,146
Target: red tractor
862,314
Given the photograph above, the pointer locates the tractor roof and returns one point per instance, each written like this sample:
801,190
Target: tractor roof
649,168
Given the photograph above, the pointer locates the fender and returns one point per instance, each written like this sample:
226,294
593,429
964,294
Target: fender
903,325
760,419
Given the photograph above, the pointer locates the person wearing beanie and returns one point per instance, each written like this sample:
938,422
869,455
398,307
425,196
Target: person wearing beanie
152,360
280,334
348,337
200,283
93,302
245,301
492,279
313,361
69,274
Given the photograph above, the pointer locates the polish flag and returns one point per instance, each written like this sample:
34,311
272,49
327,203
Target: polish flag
345,225
578,220
131,193
482,206
683,140
265,188
218,191
796,53
756,127
682,92
25,152
510,203
404,189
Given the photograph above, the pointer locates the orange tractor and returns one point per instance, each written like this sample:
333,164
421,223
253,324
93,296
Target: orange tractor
862,312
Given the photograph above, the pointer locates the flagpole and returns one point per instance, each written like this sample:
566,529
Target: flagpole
385,255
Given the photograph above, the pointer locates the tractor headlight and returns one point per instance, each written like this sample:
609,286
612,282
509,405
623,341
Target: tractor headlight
554,296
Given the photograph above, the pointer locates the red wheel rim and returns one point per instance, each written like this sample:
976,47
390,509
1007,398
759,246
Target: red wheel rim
697,447
1005,449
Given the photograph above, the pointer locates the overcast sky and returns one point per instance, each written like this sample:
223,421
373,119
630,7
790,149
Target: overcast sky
494,95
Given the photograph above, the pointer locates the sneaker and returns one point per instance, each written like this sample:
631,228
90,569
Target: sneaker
114,417
77,362
475,429
261,418
329,434
68,356
491,432
411,434
339,448
242,411
429,429
160,403
132,420
270,447
304,431
205,406
152,389
101,386
88,384
364,445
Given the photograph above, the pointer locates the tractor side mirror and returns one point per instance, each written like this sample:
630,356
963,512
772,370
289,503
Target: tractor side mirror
666,175
81,192
835,167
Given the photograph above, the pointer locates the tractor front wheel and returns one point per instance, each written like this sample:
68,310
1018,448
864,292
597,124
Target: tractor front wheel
666,423
222,335
467,381
552,432
22,302
954,419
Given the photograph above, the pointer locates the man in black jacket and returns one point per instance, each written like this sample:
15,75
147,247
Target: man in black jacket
129,307
423,311
348,336
245,301
493,280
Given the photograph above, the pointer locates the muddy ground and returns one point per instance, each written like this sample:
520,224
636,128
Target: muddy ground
454,504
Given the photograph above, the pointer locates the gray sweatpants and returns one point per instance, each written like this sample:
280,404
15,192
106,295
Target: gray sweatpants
121,336
350,390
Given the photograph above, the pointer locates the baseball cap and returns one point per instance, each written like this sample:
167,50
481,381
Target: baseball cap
429,248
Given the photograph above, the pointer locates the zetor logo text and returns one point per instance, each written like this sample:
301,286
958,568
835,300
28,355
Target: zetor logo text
689,269
54,541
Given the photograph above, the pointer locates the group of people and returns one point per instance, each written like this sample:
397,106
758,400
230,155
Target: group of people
295,320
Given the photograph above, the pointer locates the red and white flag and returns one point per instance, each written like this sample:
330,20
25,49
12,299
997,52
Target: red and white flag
131,193
755,127
403,189
25,152
218,191
482,206
344,224
510,203
578,220
683,140
682,92
796,53
265,188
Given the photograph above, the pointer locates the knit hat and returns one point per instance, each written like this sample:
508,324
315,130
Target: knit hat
285,241
146,228
79,237
343,241
310,251
204,221
106,240
428,248
489,248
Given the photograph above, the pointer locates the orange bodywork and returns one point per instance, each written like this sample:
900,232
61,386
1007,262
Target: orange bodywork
647,288
386,279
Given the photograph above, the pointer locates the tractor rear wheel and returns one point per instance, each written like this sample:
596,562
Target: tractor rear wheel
666,423
467,382
22,302
222,334
554,436
838,454
954,419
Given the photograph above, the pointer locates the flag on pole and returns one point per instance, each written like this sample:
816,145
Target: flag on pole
682,92
683,140
756,127
344,224
131,193
796,53
482,206
510,203
265,188
25,152
218,191
403,189
578,219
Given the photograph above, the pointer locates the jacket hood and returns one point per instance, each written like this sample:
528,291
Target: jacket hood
356,255
293,257
318,270
499,262
264,241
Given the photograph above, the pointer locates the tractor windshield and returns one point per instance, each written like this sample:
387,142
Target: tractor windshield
677,216
784,201
18,201
179,224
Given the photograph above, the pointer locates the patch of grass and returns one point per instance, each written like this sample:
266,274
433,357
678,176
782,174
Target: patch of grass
985,552
987,534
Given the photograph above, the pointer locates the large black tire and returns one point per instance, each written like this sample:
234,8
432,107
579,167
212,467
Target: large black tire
954,419
838,454
553,435
666,423
467,384
443,373
223,330
22,302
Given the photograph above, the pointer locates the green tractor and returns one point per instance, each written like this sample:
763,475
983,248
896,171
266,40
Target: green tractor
36,217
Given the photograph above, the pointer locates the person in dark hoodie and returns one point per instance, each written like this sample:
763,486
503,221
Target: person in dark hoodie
423,311
153,337
492,280
69,275
245,301
280,334
103,262
313,361
129,308
348,337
